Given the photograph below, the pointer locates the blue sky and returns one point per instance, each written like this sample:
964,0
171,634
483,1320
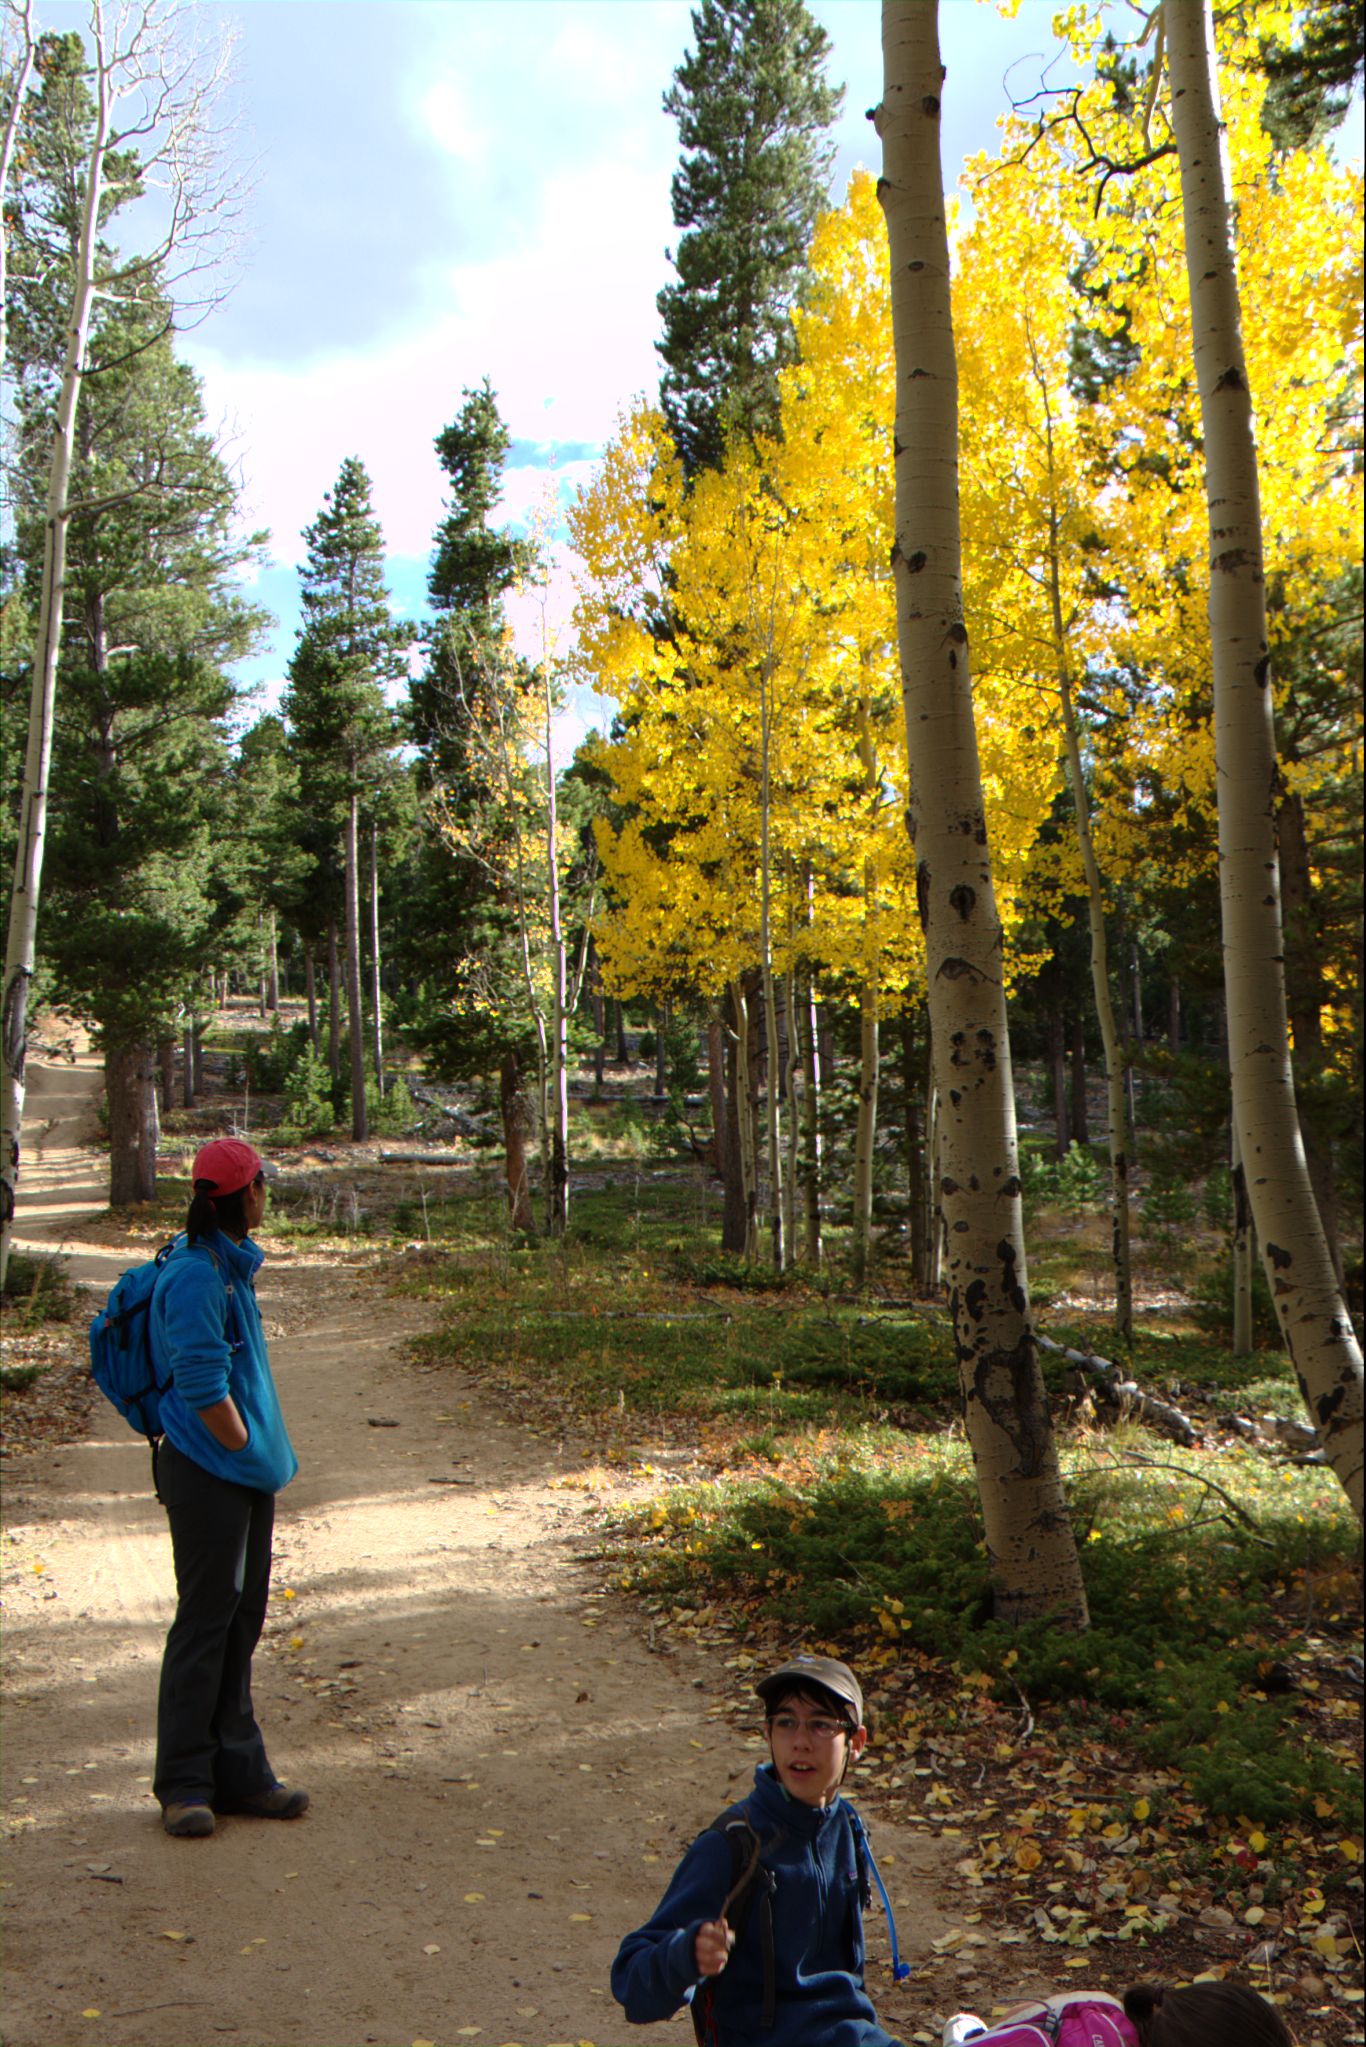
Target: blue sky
449,189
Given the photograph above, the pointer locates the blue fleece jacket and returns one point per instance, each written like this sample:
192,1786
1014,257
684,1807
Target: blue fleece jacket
820,2000
211,1351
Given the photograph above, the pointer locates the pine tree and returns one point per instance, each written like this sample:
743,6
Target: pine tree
753,107
153,618
470,672
340,725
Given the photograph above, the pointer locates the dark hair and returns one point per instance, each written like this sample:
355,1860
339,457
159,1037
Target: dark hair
817,1696
209,1212
1204,2015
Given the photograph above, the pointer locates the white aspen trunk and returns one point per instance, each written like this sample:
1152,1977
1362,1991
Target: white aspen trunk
1243,1235
599,1022
166,1064
21,943
515,1119
272,964
559,1078
187,1091
744,1104
865,1139
1310,1307
866,1129
811,1147
376,1011
360,1121
23,71
792,1179
1031,1554
716,1088
935,1274
777,1246
1115,1117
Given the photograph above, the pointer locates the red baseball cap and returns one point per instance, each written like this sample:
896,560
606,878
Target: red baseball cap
228,1163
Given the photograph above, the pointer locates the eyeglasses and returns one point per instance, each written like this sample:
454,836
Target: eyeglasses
819,1730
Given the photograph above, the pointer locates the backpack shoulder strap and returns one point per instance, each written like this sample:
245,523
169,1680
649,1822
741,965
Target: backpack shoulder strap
751,1882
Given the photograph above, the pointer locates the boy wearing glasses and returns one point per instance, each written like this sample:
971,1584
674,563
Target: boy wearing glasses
761,1929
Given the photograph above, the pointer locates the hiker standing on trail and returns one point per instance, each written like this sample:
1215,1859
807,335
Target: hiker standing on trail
761,1929
224,1456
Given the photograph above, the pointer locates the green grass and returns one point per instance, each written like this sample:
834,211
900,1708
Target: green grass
37,1291
1193,1609
846,1513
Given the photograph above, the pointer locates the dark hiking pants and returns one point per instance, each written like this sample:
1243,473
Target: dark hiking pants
208,1743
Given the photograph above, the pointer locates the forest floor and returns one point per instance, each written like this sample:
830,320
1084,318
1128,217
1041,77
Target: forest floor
505,1755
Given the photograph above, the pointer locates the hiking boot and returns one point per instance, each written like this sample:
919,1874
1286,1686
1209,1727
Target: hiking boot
279,1803
187,1819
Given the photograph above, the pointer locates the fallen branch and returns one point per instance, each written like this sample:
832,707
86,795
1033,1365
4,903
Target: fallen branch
468,1126
1125,1394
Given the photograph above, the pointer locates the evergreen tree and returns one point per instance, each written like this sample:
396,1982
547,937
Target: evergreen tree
340,726
1311,78
474,565
753,107
153,619
470,670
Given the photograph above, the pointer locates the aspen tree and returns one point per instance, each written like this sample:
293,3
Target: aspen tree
152,90
1309,1304
1032,1555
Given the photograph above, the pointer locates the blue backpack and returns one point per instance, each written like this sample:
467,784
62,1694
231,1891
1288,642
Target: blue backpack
121,1347
121,1361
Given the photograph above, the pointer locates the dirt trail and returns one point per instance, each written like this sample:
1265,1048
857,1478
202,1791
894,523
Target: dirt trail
502,1772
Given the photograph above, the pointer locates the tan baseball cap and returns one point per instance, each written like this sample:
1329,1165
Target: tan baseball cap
822,1672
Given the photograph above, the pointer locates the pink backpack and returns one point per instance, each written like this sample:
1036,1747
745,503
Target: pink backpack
1080,2021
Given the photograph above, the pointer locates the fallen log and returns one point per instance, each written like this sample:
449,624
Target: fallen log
1126,1394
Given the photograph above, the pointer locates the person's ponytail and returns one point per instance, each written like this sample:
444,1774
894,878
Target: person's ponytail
202,1219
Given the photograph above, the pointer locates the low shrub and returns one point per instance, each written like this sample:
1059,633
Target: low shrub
1187,1629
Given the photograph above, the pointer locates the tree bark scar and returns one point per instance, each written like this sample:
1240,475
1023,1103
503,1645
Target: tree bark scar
1262,671
1279,1258
1016,1412
955,969
1011,1186
963,899
1232,380
1010,1278
1232,561
916,562
917,265
896,555
948,1185
930,105
922,883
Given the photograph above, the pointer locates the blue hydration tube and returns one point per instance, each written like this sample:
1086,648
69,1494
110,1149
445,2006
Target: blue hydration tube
900,1970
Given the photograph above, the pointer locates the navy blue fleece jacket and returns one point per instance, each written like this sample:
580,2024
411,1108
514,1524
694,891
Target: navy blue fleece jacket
210,1352
817,1935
